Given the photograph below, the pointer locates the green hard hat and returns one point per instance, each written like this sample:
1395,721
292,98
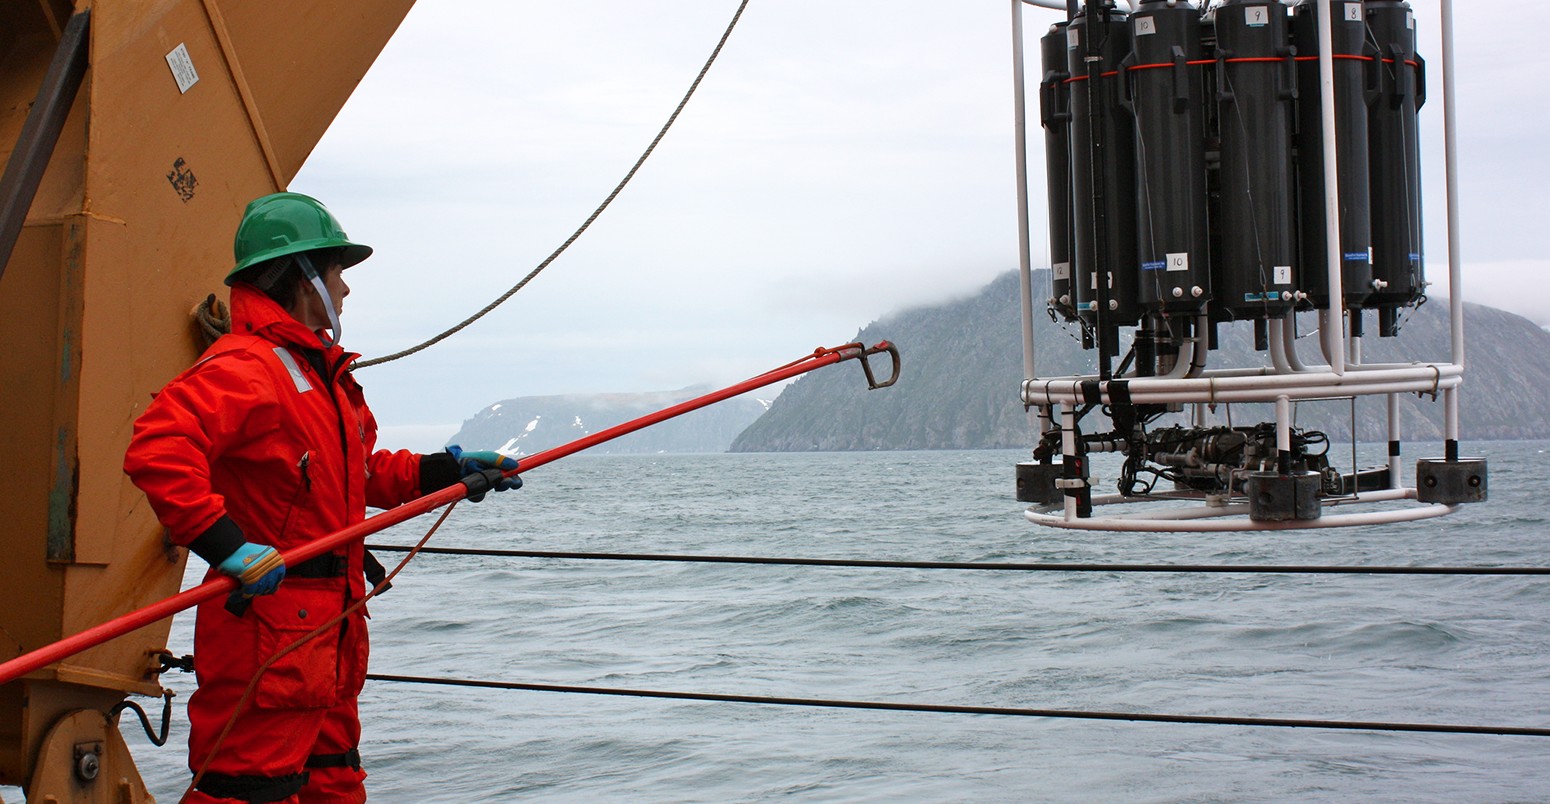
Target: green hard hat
286,223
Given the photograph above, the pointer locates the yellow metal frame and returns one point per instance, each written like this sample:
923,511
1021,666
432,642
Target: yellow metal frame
130,229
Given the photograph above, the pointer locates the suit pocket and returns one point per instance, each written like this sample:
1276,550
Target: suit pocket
306,673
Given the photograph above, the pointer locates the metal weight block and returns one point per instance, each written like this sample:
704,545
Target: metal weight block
1438,480
1036,483
1274,497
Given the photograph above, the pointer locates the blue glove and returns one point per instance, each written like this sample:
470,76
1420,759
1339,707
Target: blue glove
474,462
259,568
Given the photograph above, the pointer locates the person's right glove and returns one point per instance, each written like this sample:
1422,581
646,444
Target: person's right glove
258,567
473,462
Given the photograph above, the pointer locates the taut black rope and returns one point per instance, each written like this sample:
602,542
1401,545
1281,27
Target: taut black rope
1070,714
1281,569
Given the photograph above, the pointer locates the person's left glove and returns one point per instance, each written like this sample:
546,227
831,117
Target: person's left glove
258,567
472,462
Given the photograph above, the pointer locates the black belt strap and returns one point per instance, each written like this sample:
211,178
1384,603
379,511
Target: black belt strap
349,759
327,565
332,565
253,789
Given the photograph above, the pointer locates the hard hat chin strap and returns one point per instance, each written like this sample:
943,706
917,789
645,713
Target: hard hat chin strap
328,302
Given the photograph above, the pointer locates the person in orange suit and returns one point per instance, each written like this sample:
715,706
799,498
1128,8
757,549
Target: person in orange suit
262,446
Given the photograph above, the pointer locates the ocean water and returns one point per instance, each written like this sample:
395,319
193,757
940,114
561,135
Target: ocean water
1462,650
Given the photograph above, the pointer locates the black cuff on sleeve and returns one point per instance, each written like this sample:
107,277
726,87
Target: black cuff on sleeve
438,471
218,541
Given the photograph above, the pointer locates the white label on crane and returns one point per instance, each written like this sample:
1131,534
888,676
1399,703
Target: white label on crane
1145,26
1283,274
1178,261
1353,12
182,68
1256,16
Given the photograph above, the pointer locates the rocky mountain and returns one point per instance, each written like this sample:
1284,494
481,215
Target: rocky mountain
963,367
530,424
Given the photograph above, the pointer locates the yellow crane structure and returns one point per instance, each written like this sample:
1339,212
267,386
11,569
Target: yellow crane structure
134,134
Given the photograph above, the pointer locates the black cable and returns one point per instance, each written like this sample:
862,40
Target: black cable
1282,569
360,364
145,720
1349,725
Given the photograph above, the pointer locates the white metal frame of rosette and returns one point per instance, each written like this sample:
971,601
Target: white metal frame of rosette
1287,380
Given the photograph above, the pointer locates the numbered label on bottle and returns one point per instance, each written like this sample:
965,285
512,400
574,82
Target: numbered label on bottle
1353,12
1178,261
1145,26
1256,16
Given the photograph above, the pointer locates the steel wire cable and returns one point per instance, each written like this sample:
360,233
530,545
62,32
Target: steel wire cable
585,224
1268,569
1067,714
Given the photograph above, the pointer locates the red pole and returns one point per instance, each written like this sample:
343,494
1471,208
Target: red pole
118,626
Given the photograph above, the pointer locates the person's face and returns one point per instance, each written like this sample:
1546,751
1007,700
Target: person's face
312,312
333,279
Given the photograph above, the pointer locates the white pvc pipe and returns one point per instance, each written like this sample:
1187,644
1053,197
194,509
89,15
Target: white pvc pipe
1278,347
1267,386
1450,401
1296,394
1282,428
1181,363
1328,322
1024,255
1450,149
1369,373
1283,348
1202,341
1396,467
1240,394
1213,519
1419,377
1332,330
1208,511
1289,337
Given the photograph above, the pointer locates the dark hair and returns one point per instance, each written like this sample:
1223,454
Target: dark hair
278,278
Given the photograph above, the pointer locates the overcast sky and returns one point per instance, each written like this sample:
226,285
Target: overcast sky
842,160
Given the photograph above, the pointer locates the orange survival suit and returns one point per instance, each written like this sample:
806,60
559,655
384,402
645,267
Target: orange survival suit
268,439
